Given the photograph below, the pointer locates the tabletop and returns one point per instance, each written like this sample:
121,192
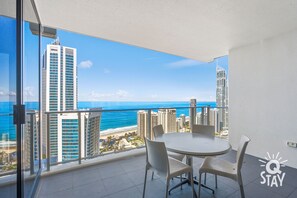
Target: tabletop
195,144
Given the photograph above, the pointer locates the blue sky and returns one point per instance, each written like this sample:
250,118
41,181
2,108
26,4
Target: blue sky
110,71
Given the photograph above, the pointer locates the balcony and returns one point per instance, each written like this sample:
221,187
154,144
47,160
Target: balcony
118,171
259,37
124,177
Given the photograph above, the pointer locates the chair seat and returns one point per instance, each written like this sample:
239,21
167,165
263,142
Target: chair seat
177,167
218,167
177,156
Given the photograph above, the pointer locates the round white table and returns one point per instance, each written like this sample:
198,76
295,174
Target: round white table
194,144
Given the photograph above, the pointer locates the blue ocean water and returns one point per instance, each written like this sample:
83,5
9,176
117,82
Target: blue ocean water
109,120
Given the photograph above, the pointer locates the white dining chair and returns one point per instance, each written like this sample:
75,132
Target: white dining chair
158,161
206,130
159,131
225,168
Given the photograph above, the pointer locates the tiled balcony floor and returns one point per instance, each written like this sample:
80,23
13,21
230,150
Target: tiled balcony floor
124,178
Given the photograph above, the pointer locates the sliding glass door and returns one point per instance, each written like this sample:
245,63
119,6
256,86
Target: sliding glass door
8,140
20,164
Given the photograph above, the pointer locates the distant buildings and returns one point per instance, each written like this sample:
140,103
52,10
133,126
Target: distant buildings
142,123
31,136
59,93
222,97
167,118
59,88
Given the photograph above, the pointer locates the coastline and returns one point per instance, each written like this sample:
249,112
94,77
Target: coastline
118,131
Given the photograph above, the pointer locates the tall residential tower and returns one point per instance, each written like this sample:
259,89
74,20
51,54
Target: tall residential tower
222,97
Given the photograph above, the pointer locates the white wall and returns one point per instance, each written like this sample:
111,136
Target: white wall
263,96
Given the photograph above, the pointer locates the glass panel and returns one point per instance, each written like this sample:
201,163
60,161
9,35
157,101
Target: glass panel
7,100
31,129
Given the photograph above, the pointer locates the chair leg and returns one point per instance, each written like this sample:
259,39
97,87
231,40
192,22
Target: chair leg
199,187
216,178
167,187
241,186
153,175
192,184
204,178
181,179
144,185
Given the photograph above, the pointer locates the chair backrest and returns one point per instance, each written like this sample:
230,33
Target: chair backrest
241,151
158,130
157,157
207,130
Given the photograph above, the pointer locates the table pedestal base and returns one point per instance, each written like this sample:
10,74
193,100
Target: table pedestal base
187,180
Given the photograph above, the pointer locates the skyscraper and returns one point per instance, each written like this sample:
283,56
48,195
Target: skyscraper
59,88
92,132
222,96
167,118
142,123
31,137
193,111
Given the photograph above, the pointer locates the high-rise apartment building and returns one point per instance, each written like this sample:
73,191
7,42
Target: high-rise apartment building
193,111
68,134
59,88
222,96
142,123
167,118
92,132
31,137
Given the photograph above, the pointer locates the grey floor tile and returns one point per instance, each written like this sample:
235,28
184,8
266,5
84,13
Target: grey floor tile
124,178
284,190
94,189
130,192
61,194
110,170
56,183
256,191
293,194
117,183
8,191
86,176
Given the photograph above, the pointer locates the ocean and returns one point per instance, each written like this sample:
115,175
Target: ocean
109,120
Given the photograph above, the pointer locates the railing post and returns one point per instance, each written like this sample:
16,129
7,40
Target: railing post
149,127
79,138
208,115
192,117
202,115
48,150
31,145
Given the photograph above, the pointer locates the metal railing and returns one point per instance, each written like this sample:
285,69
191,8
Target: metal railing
205,110
48,162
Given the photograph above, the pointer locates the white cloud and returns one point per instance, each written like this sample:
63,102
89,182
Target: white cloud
106,71
119,94
184,63
12,93
154,96
2,93
122,93
29,91
85,64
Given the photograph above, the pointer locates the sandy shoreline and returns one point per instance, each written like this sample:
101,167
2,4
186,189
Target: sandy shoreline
117,131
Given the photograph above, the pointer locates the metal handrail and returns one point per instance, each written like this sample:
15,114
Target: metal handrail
134,109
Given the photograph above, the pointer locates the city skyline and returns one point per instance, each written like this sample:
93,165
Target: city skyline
111,71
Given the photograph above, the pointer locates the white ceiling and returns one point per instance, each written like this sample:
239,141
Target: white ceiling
197,29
